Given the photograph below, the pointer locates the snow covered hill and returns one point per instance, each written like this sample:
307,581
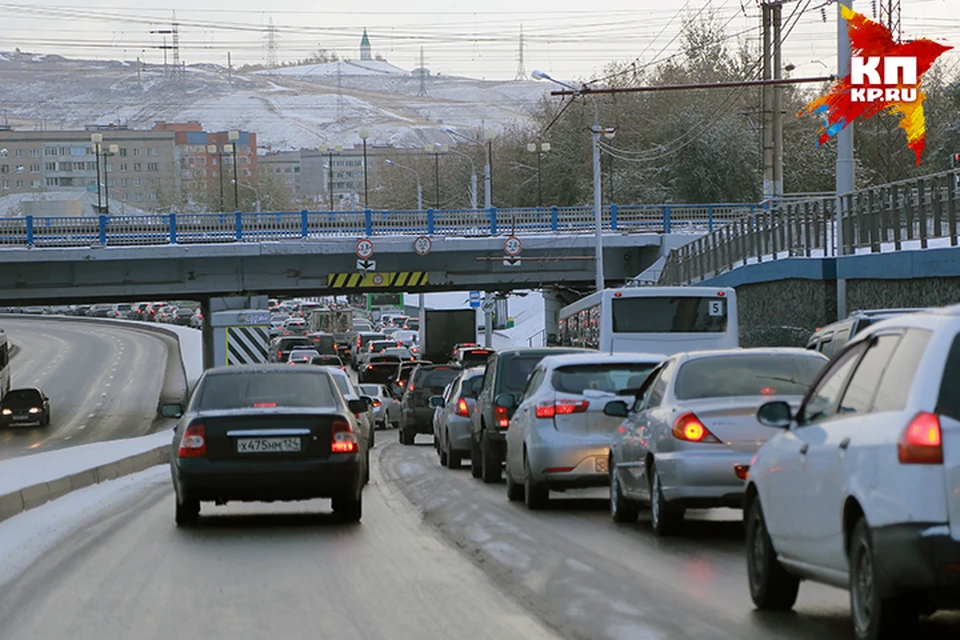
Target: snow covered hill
288,108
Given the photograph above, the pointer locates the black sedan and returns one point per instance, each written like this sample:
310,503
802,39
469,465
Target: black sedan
22,407
259,433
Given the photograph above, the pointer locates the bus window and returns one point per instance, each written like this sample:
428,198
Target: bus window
669,315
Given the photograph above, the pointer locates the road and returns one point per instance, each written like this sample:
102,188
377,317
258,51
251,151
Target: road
104,381
438,555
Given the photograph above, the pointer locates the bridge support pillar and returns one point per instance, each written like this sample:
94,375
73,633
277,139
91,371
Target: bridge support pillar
207,330
552,303
210,306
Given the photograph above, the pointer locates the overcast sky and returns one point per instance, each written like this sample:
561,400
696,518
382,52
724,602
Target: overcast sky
565,38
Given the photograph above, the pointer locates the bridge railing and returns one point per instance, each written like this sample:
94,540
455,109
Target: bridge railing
187,228
915,213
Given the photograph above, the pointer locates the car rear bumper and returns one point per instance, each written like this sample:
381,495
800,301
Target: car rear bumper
702,479
580,462
250,480
459,432
918,558
420,421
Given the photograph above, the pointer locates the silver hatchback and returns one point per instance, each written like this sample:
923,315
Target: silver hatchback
692,430
559,437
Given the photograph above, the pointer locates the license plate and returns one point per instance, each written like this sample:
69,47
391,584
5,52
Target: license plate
601,465
268,445
21,418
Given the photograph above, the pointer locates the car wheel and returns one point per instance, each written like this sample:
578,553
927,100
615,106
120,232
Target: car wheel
490,465
187,512
475,458
875,618
407,437
772,588
453,457
666,519
622,509
349,509
395,424
366,468
442,452
535,494
514,490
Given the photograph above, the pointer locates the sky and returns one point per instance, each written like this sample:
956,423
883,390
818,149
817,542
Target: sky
566,38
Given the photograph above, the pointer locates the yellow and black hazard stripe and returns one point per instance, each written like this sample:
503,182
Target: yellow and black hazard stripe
395,279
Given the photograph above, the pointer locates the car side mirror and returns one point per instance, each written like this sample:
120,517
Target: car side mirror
436,401
505,401
616,409
357,405
367,400
776,414
173,410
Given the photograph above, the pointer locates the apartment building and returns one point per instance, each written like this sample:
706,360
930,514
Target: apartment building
135,167
281,168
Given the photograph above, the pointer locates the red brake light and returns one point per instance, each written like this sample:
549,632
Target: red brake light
343,440
279,355
561,407
370,367
500,417
922,441
463,410
377,403
193,443
721,293
688,427
742,471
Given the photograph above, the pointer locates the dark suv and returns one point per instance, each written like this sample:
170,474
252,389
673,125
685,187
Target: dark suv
280,348
832,338
503,382
416,414
360,345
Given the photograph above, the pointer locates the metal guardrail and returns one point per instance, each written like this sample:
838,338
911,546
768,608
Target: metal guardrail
240,227
881,218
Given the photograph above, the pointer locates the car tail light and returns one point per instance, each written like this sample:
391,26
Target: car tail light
561,407
279,355
463,410
688,427
193,443
344,440
922,441
742,471
370,367
377,403
500,417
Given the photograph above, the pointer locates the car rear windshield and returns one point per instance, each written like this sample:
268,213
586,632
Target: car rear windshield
289,343
370,389
518,370
438,378
324,341
471,386
678,314
22,397
747,375
611,378
266,389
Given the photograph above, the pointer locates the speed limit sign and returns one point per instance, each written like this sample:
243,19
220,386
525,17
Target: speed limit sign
422,245
512,246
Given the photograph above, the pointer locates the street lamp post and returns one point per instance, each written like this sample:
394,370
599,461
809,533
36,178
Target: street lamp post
364,134
597,193
488,135
111,151
539,149
473,178
211,150
97,140
233,137
255,192
419,185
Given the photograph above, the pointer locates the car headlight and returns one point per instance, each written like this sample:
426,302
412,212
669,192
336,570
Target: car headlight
7,412
34,410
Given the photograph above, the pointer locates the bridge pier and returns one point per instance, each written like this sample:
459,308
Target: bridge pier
552,303
209,306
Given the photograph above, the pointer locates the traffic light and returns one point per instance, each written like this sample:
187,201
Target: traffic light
955,161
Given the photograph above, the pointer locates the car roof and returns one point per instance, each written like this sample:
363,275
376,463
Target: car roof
235,369
720,353
601,358
542,351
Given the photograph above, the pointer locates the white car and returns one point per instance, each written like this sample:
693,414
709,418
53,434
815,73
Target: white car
861,488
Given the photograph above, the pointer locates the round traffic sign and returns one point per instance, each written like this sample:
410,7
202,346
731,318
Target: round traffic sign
378,279
512,246
422,245
364,248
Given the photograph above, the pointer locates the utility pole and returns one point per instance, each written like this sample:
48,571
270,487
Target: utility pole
845,177
772,104
423,76
521,70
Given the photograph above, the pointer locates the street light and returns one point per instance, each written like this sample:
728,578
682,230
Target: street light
436,149
419,186
211,150
473,178
597,193
539,149
97,140
323,149
233,137
488,135
111,151
255,191
364,134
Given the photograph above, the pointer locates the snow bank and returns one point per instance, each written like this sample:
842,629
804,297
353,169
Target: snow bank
26,471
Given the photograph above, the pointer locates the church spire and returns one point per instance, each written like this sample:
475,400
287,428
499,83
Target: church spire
365,53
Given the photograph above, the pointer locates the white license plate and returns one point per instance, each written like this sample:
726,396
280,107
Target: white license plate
21,418
268,445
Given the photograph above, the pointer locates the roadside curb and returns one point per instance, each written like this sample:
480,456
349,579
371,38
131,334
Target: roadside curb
17,502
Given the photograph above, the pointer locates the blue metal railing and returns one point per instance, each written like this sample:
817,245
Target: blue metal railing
187,228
